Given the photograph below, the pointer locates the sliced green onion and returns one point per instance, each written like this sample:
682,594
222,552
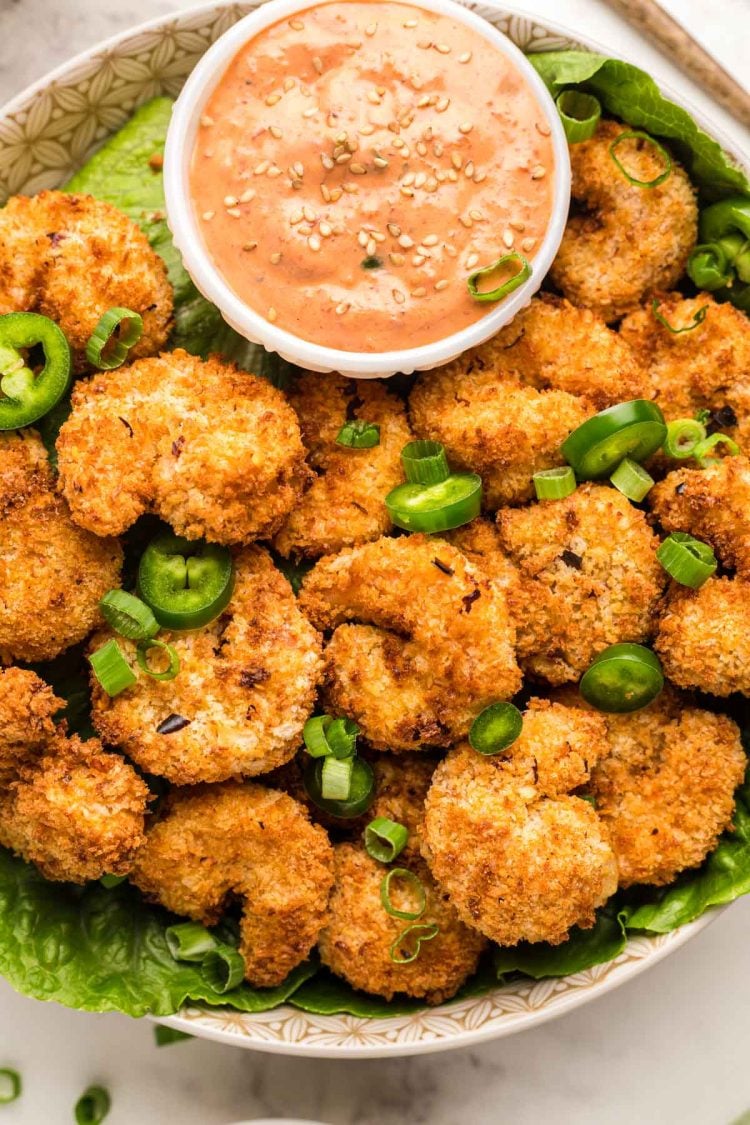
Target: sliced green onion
634,429
359,434
314,736
92,1106
342,737
164,1036
689,561
111,669
361,793
631,134
223,968
189,941
111,881
436,507
425,462
415,885
554,484
10,1085
632,480
169,673
710,266
422,931
385,839
622,678
128,616
704,447
579,113
496,728
116,333
513,282
336,779
698,317
683,435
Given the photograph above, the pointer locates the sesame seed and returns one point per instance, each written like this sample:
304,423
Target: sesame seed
477,216
431,185
399,142
407,191
508,238
469,169
367,130
380,162
420,291
457,161
423,101
480,177
350,189
249,245
406,120
299,168
275,132
234,212
371,29
272,314
325,230
377,236
424,44
543,128
420,179
465,221
427,135
273,99
273,172
335,195
430,240
353,144
418,260
538,172
442,284
305,229
342,308
314,242
397,259
394,229
450,250
394,127
342,137
297,25
422,149
318,64
295,217
326,161
398,296
325,193
343,158
276,258
207,121
472,260
262,168
358,169
442,105
208,215
409,179
528,244
465,57
310,112
309,214
465,127
410,23
230,200
373,98
288,85
441,177
453,175
371,247
362,238
405,242
297,184
520,227
438,149
443,48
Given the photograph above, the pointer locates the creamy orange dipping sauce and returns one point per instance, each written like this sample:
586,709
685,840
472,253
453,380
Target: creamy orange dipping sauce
356,163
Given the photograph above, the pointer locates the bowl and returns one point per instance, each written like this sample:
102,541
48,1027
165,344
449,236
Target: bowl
46,133
187,234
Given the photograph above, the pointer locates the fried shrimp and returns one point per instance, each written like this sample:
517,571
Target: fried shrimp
666,789
588,578
52,573
519,857
481,543
701,369
712,504
363,943
246,686
27,709
628,240
344,504
221,842
703,638
72,258
212,450
433,646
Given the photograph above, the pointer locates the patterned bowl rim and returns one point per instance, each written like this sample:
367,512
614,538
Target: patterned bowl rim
519,1006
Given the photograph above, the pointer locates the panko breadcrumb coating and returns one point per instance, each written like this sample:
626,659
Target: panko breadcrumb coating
588,578
434,647
359,934
703,369
72,258
520,857
713,504
52,573
626,241
212,450
344,504
703,639
27,709
221,842
666,789
246,686
481,543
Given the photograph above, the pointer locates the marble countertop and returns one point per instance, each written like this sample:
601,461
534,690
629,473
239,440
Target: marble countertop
670,1047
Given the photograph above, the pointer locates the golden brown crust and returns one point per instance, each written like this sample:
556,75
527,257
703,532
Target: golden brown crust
436,649
519,858
72,258
27,708
703,637
630,241
246,686
588,577
344,504
214,451
242,840
359,934
52,573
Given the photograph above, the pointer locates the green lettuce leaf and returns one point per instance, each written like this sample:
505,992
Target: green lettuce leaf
629,93
584,948
104,950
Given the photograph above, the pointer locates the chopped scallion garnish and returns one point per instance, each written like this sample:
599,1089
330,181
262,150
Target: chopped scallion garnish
116,333
698,317
415,886
128,616
703,448
173,666
385,839
111,669
336,778
424,462
408,945
636,134
359,434
554,484
10,1085
683,435
632,480
223,968
579,113
523,273
689,561
324,737
93,1106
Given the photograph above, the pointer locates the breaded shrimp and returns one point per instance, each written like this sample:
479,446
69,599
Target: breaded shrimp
492,424
52,573
212,450
712,504
630,240
519,857
588,578
436,648
703,369
245,689
360,938
703,638
27,708
551,345
666,789
481,543
72,258
344,504
220,842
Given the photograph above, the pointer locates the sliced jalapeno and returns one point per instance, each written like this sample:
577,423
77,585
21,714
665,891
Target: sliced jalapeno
186,582
29,391
436,507
630,429
622,678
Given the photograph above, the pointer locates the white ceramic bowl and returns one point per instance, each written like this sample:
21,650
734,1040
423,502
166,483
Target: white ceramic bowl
188,237
46,133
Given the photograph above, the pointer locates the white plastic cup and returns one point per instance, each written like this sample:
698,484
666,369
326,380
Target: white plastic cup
187,236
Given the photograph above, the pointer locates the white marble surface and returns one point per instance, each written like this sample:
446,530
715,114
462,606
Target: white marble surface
670,1048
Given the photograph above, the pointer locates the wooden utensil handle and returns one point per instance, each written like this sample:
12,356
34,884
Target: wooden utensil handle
680,47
